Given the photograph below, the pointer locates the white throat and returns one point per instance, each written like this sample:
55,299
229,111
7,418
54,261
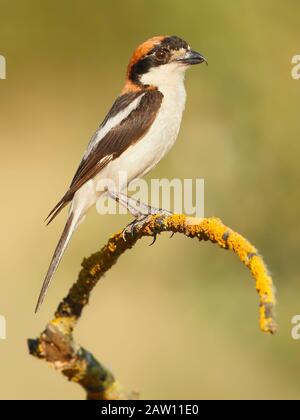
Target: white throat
165,77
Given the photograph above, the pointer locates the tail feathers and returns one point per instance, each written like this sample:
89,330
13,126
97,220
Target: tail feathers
58,253
54,212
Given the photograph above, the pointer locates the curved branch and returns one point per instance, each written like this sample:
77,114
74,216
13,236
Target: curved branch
56,344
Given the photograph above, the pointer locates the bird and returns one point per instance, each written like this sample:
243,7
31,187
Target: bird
138,131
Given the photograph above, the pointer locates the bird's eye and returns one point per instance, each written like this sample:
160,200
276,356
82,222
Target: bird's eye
161,54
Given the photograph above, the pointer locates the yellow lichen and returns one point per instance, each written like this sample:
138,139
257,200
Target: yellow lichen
79,365
64,324
95,269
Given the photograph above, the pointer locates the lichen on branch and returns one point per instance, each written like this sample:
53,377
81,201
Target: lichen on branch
56,344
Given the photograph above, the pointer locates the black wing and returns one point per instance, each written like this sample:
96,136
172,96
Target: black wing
115,142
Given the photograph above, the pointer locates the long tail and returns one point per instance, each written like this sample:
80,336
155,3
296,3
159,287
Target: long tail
58,253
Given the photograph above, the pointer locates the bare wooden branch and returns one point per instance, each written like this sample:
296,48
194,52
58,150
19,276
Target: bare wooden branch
56,344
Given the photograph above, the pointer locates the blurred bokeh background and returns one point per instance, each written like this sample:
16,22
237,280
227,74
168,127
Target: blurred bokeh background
179,319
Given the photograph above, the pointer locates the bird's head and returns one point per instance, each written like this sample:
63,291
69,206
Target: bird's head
159,61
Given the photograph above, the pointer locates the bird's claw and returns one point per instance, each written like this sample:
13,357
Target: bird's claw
132,228
135,226
154,239
142,213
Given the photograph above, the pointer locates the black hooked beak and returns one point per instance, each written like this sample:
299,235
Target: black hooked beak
192,57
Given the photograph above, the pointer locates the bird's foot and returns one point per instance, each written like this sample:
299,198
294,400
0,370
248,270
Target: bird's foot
141,221
141,211
132,228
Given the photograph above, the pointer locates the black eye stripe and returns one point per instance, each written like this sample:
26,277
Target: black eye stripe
150,60
158,48
162,54
141,67
154,59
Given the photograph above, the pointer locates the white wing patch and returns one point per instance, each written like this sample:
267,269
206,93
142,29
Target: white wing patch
111,123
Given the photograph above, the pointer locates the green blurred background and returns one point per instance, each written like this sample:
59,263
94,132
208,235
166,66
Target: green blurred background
179,319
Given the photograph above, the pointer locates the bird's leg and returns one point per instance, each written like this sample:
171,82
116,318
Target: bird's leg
133,206
141,211
136,207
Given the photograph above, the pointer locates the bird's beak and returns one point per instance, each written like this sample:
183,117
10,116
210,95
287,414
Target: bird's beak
192,57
